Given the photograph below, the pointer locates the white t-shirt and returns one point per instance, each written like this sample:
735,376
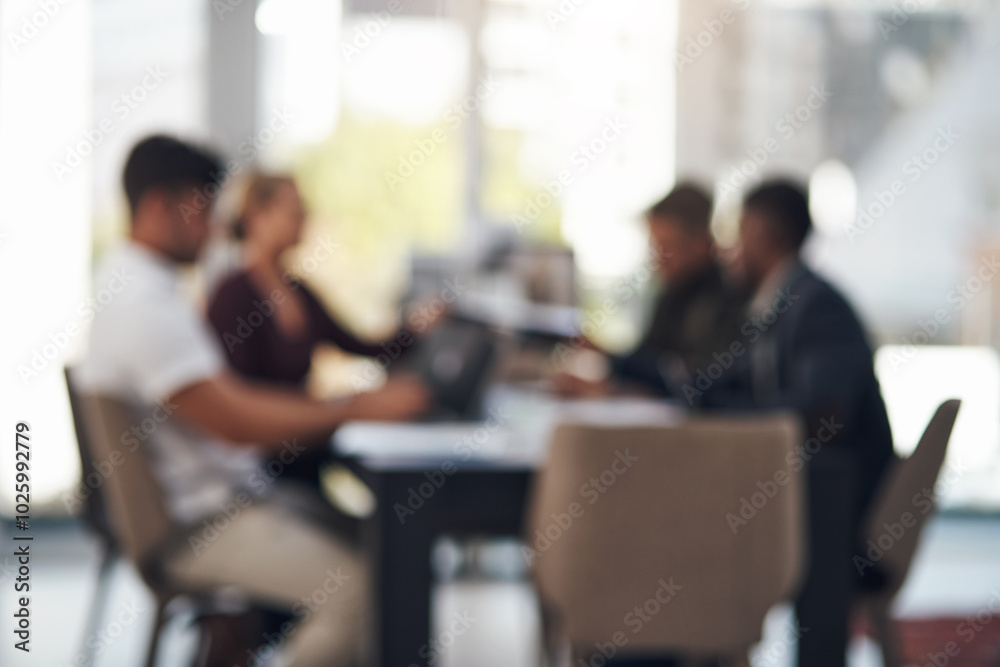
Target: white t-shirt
147,342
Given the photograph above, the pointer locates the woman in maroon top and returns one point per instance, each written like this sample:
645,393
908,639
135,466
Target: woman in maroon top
269,323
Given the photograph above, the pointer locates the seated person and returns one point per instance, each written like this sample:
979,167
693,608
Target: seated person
697,313
807,351
293,321
152,349
280,349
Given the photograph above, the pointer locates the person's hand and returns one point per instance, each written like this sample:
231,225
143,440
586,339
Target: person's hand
568,385
399,399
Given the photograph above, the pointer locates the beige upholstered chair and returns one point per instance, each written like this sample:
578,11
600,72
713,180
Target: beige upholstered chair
94,514
135,500
137,513
908,489
699,526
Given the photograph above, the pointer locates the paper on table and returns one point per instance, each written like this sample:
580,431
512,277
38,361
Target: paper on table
521,435
437,441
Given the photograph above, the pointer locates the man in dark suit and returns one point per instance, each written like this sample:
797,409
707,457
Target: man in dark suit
806,350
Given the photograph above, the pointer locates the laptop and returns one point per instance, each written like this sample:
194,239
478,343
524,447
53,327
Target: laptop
456,362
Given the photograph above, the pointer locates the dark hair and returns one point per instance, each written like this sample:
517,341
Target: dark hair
687,204
785,204
162,162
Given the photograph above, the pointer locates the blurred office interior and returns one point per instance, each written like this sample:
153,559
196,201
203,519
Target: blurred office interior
510,147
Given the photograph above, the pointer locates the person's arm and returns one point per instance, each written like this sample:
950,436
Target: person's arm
244,413
331,332
645,366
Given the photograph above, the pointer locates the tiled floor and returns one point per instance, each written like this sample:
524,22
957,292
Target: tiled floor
957,574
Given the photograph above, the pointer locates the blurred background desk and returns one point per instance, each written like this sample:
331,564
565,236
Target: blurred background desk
454,479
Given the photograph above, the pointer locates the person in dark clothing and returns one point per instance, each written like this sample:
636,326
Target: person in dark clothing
267,351
269,322
806,350
696,313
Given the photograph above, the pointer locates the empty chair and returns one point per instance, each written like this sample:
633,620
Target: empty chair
899,513
668,540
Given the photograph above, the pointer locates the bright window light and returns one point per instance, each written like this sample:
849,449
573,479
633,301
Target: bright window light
833,197
44,236
916,380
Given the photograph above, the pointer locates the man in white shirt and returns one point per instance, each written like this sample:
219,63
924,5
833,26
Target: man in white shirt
151,348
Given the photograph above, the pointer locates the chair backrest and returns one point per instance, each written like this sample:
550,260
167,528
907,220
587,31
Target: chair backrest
908,489
134,498
95,510
713,507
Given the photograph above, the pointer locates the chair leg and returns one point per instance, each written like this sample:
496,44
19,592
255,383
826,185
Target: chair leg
154,639
206,643
100,601
884,628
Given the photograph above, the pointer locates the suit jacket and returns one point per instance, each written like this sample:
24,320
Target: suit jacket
808,352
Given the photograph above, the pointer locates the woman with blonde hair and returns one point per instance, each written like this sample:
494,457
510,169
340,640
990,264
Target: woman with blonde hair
269,323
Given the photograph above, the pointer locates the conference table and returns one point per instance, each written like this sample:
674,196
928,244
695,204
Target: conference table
455,479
